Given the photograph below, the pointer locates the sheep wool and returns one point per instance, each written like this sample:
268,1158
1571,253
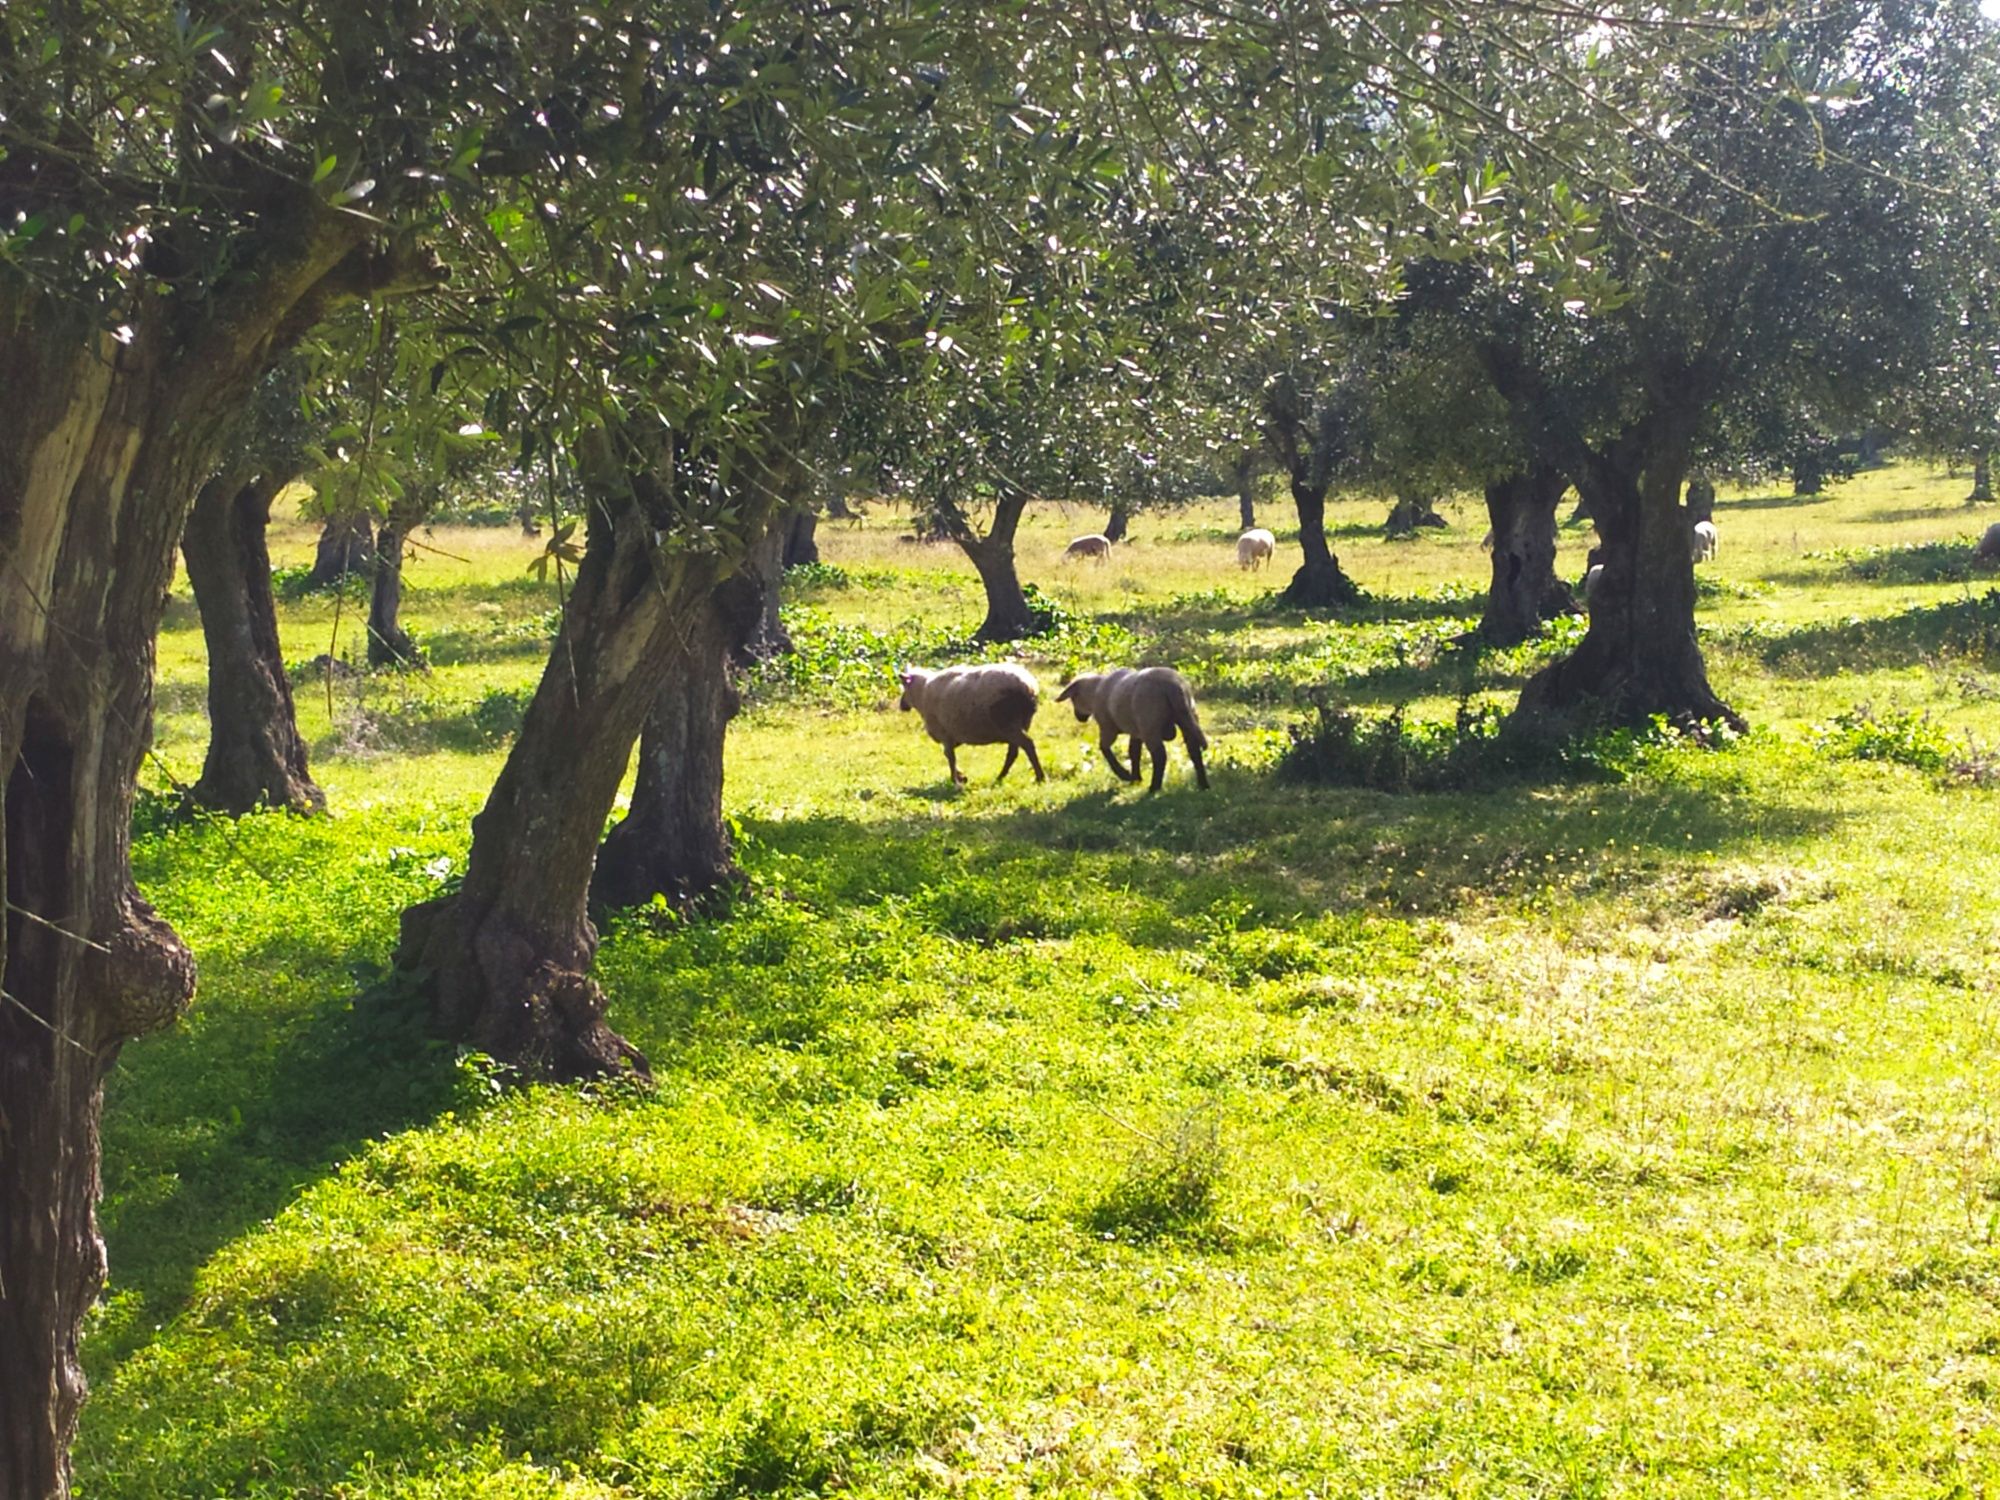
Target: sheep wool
1255,548
1151,705
992,704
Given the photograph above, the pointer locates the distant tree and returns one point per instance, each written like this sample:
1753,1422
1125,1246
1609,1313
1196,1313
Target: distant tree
256,755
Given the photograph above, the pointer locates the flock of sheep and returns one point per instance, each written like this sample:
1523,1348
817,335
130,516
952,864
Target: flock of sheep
995,704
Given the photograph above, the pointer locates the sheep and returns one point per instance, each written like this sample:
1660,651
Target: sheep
1989,544
1148,704
1255,547
1704,541
980,705
1590,580
1094,545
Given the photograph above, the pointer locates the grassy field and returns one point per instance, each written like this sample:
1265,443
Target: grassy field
1586,1137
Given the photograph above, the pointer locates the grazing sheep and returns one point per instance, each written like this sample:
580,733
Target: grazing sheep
1255,548
983,705
1094,545
1150,705
1704,541
1989,544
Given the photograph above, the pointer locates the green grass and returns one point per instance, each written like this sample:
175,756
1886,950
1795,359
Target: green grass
1587,1137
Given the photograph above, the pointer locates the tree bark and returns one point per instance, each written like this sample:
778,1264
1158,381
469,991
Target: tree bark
1640,656
104,449
1244,473
256,756
1320,582
1982,479
1007,615
801,538
674,842
389,645
764,636
1525,591
1412,510
504,962
1116,523
346,545
1700,500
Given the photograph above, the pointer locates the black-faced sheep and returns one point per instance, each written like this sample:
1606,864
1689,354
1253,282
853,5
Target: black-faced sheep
1150,704
980,705
1255,548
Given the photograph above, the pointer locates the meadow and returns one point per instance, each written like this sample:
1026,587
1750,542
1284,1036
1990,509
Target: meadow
1619,1133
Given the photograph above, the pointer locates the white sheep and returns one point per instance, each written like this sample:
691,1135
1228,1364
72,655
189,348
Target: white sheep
1704,541
1590,580
1989,544
980,705
1095,545
1150,705
1255,548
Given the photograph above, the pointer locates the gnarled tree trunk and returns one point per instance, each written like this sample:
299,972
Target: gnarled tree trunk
673,841
1007,615
1525,592
105,446
346,545
801,538
1412,510
256,756
389,645
1320,582
1640,656
505,960
1244,473
1118,521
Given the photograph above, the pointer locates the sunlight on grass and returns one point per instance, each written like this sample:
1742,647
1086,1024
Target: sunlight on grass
1623,1136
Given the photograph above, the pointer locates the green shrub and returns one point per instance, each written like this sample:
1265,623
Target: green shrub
1168,1188
1908,739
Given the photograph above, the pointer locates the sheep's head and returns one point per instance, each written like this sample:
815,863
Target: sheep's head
1081,694
910,677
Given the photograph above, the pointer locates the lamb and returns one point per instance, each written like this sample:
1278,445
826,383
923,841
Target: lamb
1989,544
1095,545
1255,548
1149,704
980,705
1704,541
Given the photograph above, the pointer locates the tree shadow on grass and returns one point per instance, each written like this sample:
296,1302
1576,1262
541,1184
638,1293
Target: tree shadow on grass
1771,502
1178,854
218,1125
1968,626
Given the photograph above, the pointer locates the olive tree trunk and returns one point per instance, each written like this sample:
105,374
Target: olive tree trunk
1118,521
389,645
256,756
673,841
504,962
1007,615
1640,656
1244,473
1320,582
801,538
1412,510
1982,479
103,450
346,546
1525,593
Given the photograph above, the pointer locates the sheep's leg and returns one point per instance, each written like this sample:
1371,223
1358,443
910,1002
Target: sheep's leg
1013,754
1132,754
951,759
1194,754
1159,749
1107,741
1034,760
